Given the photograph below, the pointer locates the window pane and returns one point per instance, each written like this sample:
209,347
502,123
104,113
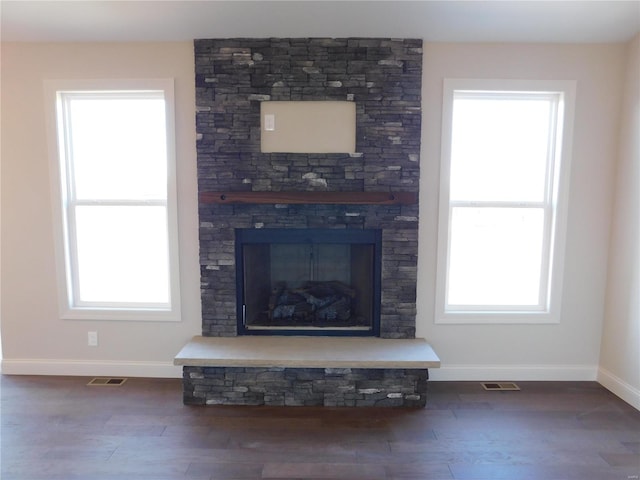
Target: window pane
499,149
122,254
118,147
495,256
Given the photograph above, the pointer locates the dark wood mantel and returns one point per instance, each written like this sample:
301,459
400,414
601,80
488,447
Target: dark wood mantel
336,198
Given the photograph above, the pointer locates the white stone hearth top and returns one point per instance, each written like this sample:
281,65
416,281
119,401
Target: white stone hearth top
307,352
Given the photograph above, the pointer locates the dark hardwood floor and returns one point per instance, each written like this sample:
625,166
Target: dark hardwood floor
57,428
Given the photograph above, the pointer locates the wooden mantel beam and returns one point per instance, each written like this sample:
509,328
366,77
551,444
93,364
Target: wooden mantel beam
336,198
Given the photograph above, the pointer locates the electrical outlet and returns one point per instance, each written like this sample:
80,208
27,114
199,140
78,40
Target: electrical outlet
269,122
92,339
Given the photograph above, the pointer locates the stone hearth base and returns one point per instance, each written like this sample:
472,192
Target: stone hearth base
329,387
320,371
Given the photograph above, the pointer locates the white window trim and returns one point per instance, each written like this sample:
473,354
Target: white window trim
58,185
548,313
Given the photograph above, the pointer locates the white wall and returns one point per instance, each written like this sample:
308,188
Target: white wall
570,349
620,353
36,341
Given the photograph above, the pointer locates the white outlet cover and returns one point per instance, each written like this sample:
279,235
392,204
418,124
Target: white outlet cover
269,122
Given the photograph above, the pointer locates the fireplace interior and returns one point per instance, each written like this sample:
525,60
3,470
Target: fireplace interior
308,281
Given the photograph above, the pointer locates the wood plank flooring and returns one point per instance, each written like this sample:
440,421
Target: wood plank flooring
57,428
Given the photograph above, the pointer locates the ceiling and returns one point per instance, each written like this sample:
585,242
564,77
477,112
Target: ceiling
438,21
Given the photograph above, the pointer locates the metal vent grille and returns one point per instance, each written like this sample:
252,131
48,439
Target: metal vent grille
500,386
108,382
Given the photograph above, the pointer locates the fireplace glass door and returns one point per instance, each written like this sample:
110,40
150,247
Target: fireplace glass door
308,281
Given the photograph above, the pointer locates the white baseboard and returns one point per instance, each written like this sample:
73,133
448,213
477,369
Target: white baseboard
619,387
496,373
457,373
84,368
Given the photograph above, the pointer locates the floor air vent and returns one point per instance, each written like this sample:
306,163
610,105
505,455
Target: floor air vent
108,382
502,386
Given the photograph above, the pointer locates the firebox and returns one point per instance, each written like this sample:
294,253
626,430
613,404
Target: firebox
308,281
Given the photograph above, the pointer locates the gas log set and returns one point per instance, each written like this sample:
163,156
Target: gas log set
328,303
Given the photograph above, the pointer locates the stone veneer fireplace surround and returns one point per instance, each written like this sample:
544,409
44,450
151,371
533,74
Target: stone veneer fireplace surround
373,189
383,78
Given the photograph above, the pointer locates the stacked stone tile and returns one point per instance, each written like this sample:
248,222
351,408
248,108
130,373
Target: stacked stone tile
383,78
329,387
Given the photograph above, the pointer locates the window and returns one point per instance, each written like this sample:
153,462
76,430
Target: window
503,191
115,200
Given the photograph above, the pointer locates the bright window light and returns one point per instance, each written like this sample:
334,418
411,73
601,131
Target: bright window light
496,256
117,203
500,147
118,146
500,197
122,254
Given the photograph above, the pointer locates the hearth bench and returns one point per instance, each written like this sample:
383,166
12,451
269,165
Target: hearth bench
298,370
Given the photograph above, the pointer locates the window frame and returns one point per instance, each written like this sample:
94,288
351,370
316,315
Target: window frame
554,205
65,235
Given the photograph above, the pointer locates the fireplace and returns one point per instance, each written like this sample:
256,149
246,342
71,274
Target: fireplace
308,281
285,234
242,188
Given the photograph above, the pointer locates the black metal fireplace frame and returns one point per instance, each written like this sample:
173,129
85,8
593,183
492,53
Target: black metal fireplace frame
247,236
